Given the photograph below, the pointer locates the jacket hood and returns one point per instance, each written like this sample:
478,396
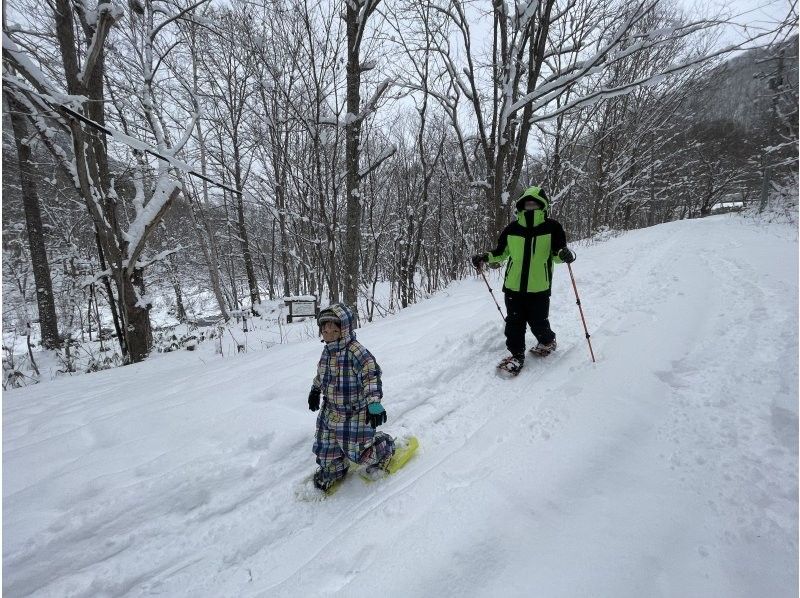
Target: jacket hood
537,194
345,317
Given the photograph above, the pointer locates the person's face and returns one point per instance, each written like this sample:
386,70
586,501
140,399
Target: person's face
330,332
531,205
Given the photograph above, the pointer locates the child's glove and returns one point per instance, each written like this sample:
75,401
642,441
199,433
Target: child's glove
376,414
313,399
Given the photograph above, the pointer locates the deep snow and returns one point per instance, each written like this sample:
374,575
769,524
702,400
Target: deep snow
668,468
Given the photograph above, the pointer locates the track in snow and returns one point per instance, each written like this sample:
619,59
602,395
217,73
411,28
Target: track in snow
668,468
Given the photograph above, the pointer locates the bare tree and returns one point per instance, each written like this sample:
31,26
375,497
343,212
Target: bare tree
229,64
81,112
357,13
524,84
33,220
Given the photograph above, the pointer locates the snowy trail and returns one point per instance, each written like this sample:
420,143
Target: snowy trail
669,468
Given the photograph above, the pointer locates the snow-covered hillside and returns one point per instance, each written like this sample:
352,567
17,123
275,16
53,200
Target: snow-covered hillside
668,468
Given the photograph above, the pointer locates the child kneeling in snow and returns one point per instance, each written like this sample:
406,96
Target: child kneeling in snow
349,379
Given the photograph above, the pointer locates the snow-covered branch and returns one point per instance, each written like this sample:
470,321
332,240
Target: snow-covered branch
20,61
587,67
387,153
364,11
618,90
159,257
25,98
372,104
166,191
171,18
369,107
107,15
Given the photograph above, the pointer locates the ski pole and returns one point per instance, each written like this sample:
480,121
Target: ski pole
578,302
492,293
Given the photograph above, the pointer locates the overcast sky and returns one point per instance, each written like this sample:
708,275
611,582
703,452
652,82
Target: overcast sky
756,15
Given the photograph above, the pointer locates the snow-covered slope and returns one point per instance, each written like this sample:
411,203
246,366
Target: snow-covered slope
668,468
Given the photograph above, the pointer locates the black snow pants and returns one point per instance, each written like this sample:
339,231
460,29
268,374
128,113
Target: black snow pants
527,309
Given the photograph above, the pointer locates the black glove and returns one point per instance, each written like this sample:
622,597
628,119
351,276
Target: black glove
566,255
313,399
376,414
477,260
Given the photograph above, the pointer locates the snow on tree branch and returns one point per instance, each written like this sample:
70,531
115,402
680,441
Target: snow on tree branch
372,103
365,8
167,189
45,131
369,107
613,52
159,257
593,65
19,60
172,17
107,15
387,153
524,13
618,90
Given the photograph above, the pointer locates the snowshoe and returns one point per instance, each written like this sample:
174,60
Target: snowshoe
315,488
402,455
512,364
544,349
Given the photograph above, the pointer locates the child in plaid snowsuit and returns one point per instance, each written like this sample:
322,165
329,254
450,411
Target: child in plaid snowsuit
349,380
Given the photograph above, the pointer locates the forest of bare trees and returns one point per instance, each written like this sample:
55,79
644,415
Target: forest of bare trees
248,151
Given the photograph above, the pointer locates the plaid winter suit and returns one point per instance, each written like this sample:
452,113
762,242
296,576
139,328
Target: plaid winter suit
349,378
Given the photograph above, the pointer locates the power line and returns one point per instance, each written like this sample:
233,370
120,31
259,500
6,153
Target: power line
142,146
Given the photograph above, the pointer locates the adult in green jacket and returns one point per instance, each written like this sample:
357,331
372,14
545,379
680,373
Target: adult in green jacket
531,245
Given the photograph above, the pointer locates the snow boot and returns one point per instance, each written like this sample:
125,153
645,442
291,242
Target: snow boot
324,482
381,467
544,349
404,451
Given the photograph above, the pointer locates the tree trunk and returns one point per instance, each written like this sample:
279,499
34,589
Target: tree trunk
255,297
210,252
212,261
91,165
180,314
33,220
112,302
139,334
352,138
284,241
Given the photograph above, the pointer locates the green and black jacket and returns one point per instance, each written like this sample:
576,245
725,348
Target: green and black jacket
530,244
